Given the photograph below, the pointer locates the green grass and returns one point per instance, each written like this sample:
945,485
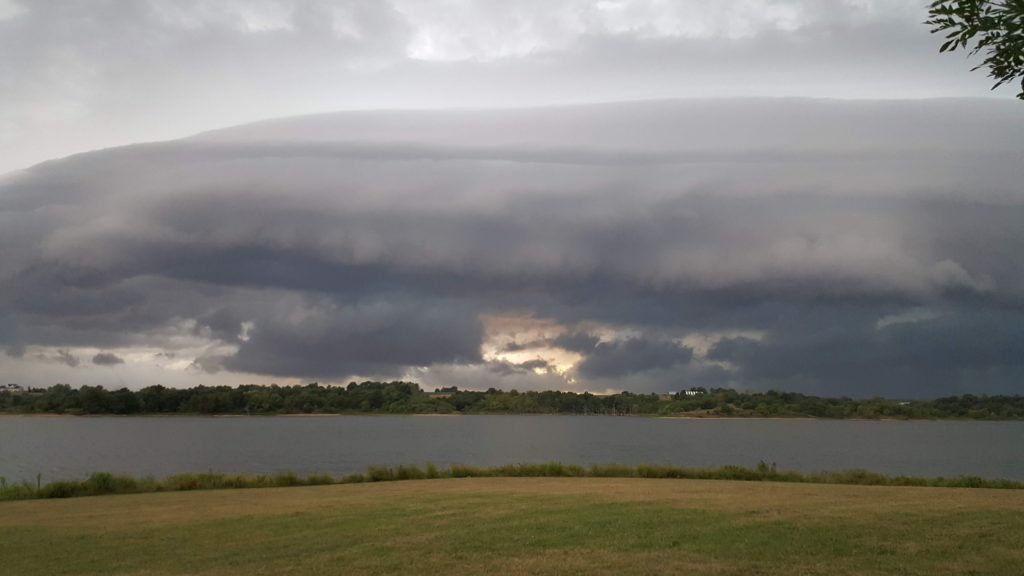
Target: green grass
540,525
102,483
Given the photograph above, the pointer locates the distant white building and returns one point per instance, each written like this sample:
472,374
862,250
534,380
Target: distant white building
692,392
11,388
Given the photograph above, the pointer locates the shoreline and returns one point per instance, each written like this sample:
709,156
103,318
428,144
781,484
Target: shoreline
460,414
104,483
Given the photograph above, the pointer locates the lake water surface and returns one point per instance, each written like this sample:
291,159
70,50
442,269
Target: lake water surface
65,447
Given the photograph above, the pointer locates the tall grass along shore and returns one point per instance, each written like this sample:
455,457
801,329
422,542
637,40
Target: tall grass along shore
101,483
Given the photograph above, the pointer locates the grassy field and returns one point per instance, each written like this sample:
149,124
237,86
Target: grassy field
523,526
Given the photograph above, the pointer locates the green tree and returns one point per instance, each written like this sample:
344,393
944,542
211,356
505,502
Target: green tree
995,27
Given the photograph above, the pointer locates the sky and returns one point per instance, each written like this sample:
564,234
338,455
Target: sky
562,194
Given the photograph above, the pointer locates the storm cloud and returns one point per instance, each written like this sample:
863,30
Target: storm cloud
841,247
66,358
632,355
107,359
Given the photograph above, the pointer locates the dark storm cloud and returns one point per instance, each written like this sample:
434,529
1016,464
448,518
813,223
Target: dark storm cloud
321,339
505,368
819,220
537,364
107,359
372,243
579,342
66,358
16,350
956,351
520,346
621,358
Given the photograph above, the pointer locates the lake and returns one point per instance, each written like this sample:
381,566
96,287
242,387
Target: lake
67,447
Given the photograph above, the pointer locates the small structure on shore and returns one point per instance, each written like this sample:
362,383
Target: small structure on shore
12,388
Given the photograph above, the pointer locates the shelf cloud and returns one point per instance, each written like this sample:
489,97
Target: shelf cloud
753,243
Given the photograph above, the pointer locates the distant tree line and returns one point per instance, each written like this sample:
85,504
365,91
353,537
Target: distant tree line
408,398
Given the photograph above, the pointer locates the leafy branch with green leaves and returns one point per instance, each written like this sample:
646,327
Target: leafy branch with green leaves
992,27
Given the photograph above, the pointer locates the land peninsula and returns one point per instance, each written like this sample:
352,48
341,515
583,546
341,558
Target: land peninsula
408,398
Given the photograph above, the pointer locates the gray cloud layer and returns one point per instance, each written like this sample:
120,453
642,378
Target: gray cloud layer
77,75
872,244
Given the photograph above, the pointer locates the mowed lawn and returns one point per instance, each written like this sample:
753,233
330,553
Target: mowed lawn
522,526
